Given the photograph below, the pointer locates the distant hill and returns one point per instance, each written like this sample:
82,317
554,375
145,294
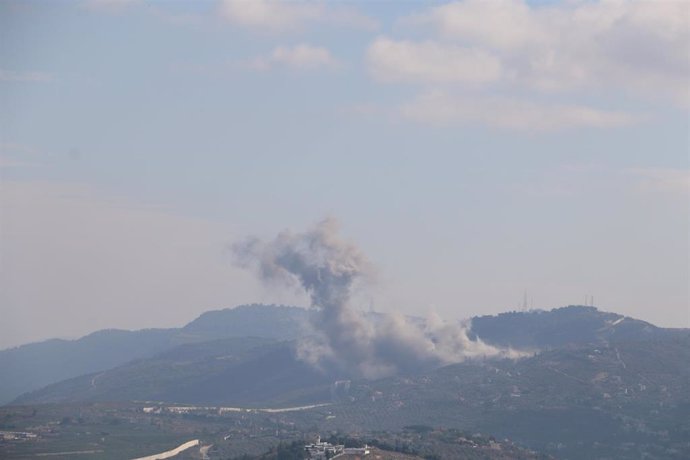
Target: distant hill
627,399
600,386
630,400
540,329
30,367
35,365
245,371
269,321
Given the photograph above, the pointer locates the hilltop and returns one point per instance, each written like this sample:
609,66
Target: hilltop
33,366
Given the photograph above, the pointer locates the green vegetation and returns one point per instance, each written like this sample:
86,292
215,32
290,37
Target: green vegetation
238,371
283,451
30,367
608,398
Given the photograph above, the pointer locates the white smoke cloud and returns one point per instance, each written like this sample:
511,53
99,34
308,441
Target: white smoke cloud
343,340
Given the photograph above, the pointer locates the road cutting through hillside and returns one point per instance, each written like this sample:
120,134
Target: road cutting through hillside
171,453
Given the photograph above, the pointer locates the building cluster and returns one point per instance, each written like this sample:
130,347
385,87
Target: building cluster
16,435
325,450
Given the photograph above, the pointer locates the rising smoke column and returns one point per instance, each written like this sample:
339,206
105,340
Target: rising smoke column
327,268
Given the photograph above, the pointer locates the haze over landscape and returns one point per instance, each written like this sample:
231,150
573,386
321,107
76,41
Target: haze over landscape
541,148
288,230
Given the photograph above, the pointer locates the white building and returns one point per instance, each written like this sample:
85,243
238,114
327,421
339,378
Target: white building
323,450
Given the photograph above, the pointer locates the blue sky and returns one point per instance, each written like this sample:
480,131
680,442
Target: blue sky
474,150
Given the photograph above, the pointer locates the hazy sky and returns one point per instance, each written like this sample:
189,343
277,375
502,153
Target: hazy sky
474,150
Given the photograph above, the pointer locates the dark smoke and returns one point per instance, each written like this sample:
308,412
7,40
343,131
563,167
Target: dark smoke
328,268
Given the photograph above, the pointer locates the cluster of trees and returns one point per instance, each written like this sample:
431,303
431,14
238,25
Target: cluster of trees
283,451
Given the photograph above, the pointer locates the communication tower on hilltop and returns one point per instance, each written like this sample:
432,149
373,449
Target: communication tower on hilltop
525,306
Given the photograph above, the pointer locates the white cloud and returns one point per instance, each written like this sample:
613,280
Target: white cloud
663,179
439,107
529,65
24,76
497,23
302,56
391,60
110,6
642,48
270,15
284,16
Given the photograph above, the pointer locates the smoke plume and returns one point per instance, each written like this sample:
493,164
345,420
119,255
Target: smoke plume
344,340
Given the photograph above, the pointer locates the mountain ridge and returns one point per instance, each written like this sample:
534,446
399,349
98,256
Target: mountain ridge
33,366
